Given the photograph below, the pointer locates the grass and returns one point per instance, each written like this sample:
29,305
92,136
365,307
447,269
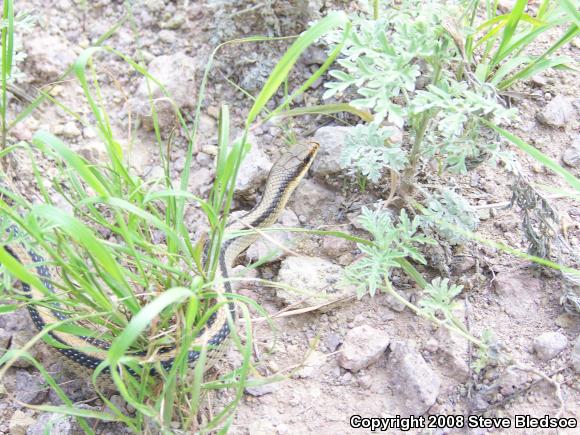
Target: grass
126,286
504,39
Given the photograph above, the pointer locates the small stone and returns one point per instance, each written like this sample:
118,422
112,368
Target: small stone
334,247
511,381
559,112
483,214
70,130
261,390
549,344
30,388
272,248
518,293
571,154
312,368
20,422
452,354
167,36
282,429
315,202
415,384
176,73
431,345
48,55
254,171
362,347
539,80
316,281
575,356
332,341
331,140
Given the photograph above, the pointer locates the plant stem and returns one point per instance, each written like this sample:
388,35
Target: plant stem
419,135
452,327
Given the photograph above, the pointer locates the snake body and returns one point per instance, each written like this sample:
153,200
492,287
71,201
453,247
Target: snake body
283,178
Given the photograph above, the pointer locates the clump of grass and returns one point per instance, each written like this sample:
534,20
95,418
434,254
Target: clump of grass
117,281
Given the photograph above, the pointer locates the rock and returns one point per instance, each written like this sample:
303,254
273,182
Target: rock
20,422
58,424
48,55
332,341
271,248
16,330
253,171
362,347
177,73
315,278
200,180
334,247
313,366
510,381
68,130
549,344
30,388
261,390
94,151
452,354
539,80
391,301
506,5
413,381
558,112
314,201
571,154
518,293
331,140
575,356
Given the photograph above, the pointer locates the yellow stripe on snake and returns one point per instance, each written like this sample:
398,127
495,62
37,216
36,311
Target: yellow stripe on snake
284,176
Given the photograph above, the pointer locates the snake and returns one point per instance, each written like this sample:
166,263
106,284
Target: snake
283,178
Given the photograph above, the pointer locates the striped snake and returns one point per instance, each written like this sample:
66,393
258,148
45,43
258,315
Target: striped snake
284,176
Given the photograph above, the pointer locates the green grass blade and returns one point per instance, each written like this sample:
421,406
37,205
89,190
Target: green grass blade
536,154
283,67
514,18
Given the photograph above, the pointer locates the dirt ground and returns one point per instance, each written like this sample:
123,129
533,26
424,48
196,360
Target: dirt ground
421,369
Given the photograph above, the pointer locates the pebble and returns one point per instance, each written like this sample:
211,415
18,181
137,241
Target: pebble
559,112
332,140
571,155
254,171
362,346
20,422
49,55
518,293
177,74
414,382
575,356
261,390
30,388
332,341
549,344
316,281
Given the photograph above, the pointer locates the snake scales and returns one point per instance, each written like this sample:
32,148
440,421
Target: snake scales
284,176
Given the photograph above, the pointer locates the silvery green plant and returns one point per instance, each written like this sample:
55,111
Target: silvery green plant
391,242
368,150
450,208
401,68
